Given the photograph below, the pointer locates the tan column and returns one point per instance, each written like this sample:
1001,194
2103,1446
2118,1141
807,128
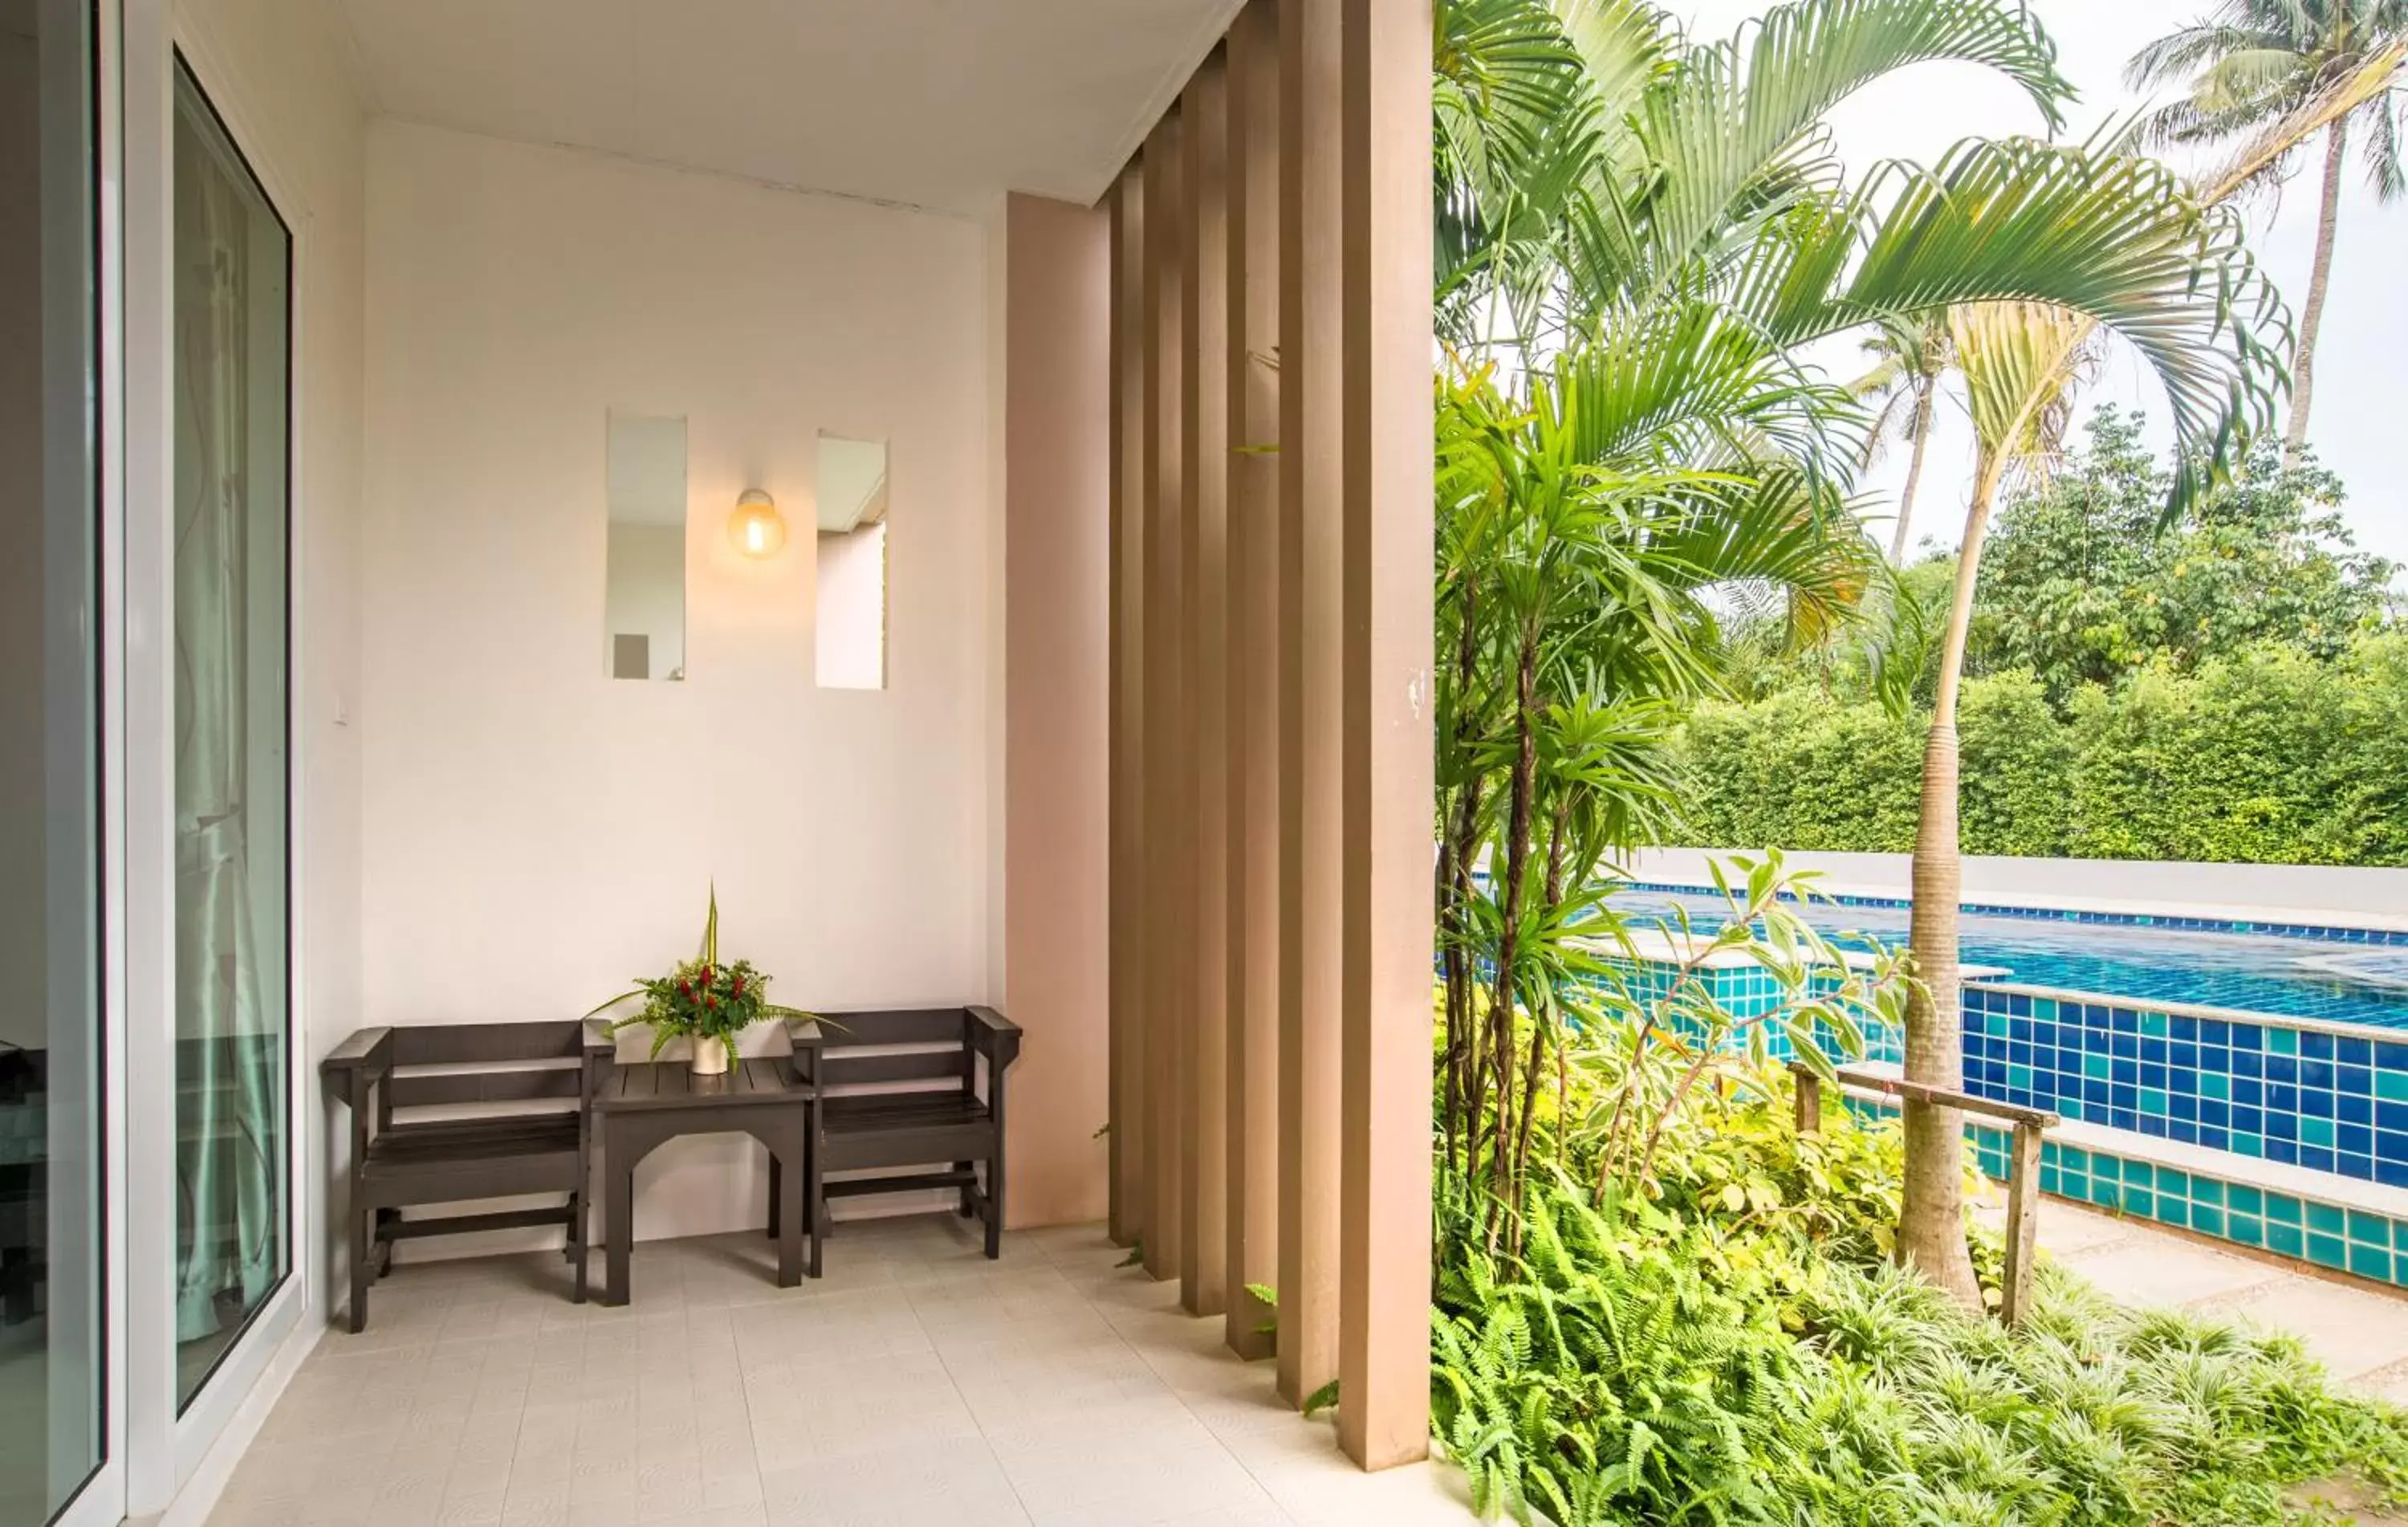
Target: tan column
1166,970
1204,769
1384,1192
1254,886
1125,1140
1311,739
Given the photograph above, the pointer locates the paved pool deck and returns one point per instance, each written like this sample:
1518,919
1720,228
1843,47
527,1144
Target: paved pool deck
2360,1333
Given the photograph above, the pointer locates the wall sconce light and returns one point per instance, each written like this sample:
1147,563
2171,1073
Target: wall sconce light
755,528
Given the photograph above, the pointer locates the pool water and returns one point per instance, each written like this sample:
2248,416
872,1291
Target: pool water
2254,973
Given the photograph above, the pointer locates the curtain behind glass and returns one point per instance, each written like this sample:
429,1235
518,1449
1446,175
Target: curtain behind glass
231,258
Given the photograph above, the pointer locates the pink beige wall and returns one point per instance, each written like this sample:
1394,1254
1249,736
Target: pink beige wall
1056,320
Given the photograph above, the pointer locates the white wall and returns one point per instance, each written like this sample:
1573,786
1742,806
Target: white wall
534,833
2311,893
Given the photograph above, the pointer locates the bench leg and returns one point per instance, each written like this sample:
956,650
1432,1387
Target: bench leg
777,1191
364,1244
578,1231
995,1206
969,1193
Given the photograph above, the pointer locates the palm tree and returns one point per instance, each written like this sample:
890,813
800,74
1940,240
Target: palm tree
2020,361
2253,62
1911,357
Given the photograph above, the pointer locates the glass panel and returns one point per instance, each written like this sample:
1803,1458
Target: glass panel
233,276
643,600
52,1288
851,651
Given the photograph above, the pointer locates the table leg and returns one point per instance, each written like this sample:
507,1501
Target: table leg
787,1213
777,1192
619,1226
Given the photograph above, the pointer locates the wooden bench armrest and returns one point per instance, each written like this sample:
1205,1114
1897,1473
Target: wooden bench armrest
599,1043
367,1053
357,1064
993,1035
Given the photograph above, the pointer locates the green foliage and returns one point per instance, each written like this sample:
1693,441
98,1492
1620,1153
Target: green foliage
1740,1350
2265,756
2078,587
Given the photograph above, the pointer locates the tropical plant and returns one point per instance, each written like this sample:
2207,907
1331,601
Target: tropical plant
1637,235
1733,1346
703,1000
2252,64
1911,358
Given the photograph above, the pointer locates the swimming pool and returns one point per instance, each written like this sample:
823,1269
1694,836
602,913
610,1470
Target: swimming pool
2255,973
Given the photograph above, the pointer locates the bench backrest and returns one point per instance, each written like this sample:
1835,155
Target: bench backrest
896,1050
492,1065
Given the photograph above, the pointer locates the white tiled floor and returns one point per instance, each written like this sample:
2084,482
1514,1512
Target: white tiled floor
917,1383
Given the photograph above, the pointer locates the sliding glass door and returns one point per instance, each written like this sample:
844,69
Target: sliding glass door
53,1301
232,376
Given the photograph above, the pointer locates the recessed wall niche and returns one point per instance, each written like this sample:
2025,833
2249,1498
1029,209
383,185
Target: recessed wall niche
852,563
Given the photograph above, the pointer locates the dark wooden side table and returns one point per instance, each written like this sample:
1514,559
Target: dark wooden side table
644,1105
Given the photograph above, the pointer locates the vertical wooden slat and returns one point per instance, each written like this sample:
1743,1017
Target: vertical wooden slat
1204,769
1254,883
1384,1316
1166,967
1311,749
1126,1141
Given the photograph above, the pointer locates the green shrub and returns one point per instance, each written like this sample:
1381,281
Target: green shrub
1694,1358
2270,756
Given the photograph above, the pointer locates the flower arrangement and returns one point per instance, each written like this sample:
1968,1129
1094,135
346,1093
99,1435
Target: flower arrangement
707,1000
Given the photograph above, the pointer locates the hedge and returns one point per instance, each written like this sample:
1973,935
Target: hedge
2268,757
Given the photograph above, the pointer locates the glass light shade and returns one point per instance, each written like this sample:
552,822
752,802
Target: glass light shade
756,527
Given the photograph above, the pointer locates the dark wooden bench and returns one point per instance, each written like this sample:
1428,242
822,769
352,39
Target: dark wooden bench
445,1113
24,1182
913,1096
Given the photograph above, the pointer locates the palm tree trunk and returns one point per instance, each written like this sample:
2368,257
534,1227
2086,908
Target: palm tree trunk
2295,433
1931,1216
1913,470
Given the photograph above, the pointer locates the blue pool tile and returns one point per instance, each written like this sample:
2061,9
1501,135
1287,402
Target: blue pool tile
2245,1229
2283,1041
2370,1229
2214,1084
2371,1262
2315,1044
2316,1131
2208,1220
2286,1239
2328,1251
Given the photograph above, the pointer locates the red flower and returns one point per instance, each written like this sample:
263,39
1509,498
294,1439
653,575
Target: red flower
739,986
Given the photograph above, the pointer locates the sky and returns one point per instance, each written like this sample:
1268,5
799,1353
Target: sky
2360,409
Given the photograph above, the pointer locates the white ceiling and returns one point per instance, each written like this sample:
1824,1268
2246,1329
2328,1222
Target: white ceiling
942,104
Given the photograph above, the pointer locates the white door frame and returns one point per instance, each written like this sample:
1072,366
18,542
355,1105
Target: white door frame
164,1450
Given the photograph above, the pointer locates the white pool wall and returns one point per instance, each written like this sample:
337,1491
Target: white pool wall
2326,895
